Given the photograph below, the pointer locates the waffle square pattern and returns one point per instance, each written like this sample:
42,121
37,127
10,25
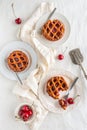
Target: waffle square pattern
17,61
53,30
56,84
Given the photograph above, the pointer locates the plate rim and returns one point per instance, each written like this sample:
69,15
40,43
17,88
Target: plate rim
48,42
12,44
62,112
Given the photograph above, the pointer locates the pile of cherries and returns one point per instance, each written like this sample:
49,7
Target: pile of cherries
25,112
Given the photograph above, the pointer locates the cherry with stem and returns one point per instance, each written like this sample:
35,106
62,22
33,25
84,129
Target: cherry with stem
71,100
18,20
61,56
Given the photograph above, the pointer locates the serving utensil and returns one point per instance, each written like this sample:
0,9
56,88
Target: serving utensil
18,77
72,85
50,15
77,58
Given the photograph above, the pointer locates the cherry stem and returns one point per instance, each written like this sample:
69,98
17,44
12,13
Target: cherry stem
65,50
32,104
17,117
76,97
12,5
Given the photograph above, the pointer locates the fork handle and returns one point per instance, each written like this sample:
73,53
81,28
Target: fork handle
83,70
20,81
79,63
73,83
50,15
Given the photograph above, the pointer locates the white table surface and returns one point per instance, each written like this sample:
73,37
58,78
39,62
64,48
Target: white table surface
76,13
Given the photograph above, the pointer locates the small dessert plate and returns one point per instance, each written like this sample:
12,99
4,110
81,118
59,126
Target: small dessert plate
17,110
13,46
49,43
52,104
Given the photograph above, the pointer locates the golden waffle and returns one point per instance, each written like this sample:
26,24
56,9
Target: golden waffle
63,103
53,30
17,61
56,84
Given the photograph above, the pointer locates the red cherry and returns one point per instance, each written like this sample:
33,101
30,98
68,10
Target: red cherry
70,100
60,57
25,108
59,89
30,112
25,116
20,113
25,112
18,21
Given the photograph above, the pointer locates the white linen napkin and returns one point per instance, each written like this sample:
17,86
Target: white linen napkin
45,60
30,98
28,34
76,119
28,27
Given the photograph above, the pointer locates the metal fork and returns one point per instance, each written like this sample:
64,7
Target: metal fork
19,79
72,85
50,15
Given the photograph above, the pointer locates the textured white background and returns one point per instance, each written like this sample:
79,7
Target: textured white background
76,13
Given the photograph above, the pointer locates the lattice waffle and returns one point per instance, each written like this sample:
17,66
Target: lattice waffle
53,30
18,61
56,84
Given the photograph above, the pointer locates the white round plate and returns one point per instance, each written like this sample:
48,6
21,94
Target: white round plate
49,43
18,108
50,103
17,45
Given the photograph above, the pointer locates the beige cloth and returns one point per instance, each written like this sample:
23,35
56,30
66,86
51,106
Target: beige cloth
45,60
